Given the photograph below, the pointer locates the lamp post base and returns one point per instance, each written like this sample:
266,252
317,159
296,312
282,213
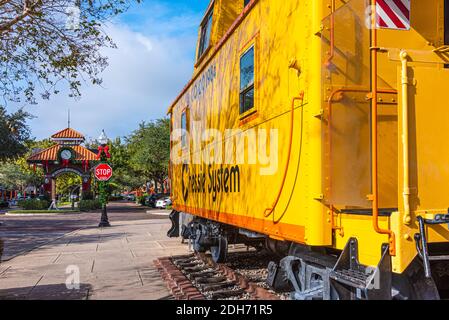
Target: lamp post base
104,223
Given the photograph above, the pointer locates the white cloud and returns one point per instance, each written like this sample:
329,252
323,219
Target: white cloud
146,42
145,74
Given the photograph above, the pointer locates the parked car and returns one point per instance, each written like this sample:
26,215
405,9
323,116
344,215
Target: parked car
153,199
163,203
22,198
130,197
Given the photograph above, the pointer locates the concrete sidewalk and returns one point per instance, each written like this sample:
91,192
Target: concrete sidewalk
113,263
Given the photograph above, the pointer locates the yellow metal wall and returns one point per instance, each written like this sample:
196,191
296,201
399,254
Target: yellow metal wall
297,33
299,215
427,118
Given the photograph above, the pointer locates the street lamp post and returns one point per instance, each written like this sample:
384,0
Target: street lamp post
103,154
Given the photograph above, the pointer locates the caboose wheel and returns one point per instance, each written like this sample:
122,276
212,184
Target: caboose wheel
199,248
220,251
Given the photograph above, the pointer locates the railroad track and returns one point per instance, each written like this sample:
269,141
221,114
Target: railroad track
197,277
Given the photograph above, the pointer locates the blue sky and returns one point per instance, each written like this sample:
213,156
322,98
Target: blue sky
154,60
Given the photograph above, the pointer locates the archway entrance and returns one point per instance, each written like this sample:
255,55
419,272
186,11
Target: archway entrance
68,187
67,156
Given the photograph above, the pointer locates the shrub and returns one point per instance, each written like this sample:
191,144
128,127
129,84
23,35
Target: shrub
88,205
34,204
45,197
87,195
141,200
3,204
115,198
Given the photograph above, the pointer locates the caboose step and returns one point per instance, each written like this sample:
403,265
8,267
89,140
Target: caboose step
352,278
349,271
439,258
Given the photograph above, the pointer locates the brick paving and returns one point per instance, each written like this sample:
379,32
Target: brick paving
113,263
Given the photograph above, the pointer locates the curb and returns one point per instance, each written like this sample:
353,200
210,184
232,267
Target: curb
158,213
40,214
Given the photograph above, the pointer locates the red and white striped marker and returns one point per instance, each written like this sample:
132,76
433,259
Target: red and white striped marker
393,14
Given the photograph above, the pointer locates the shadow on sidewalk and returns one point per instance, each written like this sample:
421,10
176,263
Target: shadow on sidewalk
46,292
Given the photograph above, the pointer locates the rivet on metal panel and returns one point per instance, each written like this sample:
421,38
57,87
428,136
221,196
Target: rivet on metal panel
320,31
320,114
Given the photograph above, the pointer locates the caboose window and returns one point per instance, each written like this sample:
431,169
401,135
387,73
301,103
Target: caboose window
184,129
206,28
247,81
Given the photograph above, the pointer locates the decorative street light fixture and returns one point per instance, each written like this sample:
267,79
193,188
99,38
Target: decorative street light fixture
103,139
103,156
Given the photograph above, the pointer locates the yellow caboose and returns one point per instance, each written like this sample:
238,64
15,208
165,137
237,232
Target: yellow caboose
318,128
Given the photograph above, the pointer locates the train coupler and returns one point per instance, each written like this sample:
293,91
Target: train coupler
422,242
308,281
278,278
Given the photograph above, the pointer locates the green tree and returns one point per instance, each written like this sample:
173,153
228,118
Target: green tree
18,174
46,43
35,174
149,147
67,182
14,134
12,177
125,176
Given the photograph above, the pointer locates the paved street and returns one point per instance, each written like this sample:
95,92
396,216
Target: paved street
113,263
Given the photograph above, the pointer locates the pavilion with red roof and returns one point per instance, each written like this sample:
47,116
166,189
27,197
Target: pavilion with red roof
67,155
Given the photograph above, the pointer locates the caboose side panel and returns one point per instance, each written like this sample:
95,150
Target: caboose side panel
284,80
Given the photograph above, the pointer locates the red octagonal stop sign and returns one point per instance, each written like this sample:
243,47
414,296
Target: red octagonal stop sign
103,172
